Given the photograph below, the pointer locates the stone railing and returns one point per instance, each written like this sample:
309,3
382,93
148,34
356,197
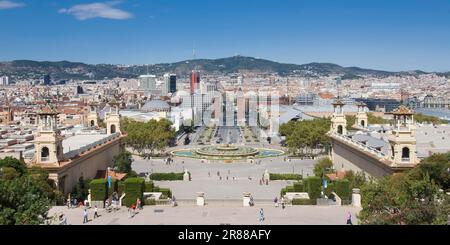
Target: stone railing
360,145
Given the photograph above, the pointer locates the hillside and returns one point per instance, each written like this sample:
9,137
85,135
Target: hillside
63,70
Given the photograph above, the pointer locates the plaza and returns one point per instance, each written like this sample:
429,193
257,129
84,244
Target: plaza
214,215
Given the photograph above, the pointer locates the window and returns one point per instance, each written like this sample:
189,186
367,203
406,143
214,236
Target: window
113,129
92,123
45,152
363,123
405,154
340,129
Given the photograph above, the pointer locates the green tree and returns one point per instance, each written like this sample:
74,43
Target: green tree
303,137
81,189
421,118
323,166
437,167
11,162
413,197
149,136
123,161
24,200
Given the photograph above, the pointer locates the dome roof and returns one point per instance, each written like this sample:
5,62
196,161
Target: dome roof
155,105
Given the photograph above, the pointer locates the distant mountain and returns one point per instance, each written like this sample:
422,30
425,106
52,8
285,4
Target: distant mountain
63,70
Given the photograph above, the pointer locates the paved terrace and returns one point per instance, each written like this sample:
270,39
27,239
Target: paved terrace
214,215
216,189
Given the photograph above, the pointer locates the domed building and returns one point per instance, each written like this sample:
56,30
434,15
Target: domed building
156,106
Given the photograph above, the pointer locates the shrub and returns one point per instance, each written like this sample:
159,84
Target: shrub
343,189
283,192
166,192
156,188
330,188
314,187
299,187
285,176
99,189
150,202
304,202
149,186
120,187
166,176
134,187
113,187
290,188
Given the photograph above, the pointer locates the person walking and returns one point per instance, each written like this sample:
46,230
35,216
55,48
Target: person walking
283,203
85,216
95,212
276,202
261,215
349,219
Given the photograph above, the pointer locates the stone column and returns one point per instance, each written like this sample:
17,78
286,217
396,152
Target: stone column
246,199
200,199
356,198
186,175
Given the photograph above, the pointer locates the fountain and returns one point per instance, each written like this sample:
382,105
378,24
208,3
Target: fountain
227,152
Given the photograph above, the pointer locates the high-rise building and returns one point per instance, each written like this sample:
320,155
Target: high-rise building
169,84
4,80
195,81
147,82
47,79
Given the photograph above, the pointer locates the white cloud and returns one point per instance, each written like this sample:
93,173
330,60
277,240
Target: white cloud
97,10
9,4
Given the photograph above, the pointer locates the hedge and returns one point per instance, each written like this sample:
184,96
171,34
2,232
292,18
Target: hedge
299,187
166,192
149,186
120,187
150,202
134,187
113,187
285,176
314,187
343,189
330,188
304,202
99,189
166,176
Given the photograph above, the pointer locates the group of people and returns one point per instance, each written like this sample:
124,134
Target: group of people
279,201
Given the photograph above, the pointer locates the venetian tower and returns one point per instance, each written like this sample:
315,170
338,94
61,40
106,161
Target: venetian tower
403,137
338,120
48,142
112,118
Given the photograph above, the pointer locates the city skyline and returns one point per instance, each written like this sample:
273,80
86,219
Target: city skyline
400,36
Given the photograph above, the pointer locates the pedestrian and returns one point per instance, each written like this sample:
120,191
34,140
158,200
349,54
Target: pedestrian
133,209
85,216
138,203
349,219
95,212
283,203
209,174
261,215
276,202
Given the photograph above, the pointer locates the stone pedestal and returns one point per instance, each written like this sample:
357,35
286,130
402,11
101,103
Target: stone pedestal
266,175
186,176
356,198
246,200
200,199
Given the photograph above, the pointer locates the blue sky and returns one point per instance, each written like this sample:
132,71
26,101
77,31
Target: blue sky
381,34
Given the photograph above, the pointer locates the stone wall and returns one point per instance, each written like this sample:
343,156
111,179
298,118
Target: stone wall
346,157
